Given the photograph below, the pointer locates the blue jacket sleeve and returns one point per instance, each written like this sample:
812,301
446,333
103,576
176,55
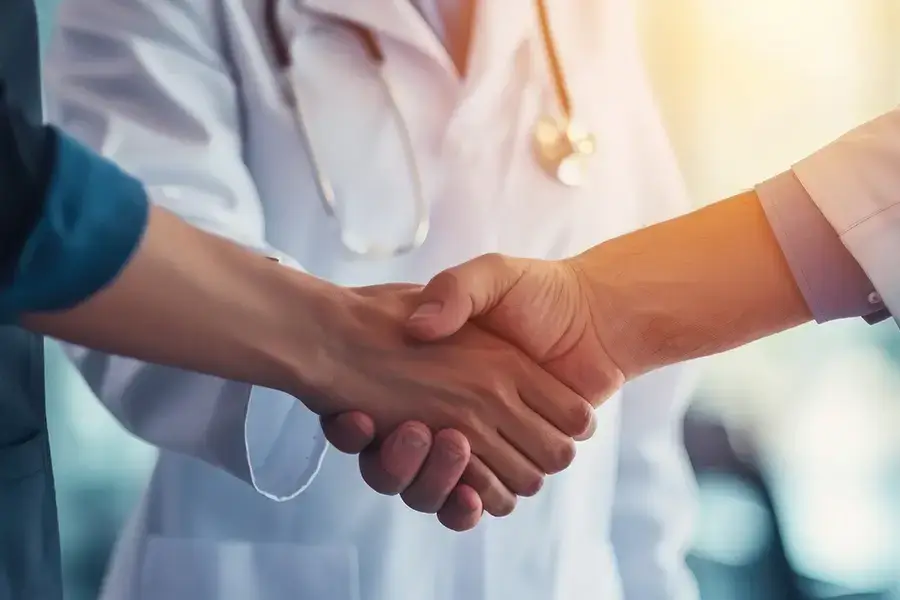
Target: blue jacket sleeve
26,162
71,227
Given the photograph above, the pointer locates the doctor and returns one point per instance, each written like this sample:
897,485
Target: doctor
374,142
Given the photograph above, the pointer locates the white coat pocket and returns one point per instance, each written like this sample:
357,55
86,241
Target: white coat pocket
191,569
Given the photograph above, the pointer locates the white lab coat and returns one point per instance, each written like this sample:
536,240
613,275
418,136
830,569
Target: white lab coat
855,182
182,93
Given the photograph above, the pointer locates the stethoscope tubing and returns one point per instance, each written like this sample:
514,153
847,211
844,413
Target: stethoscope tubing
284,61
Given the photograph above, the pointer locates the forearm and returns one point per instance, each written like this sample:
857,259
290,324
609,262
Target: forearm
193,300
694,286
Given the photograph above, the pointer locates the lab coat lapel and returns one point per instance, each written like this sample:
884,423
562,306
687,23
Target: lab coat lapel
397,19
500,29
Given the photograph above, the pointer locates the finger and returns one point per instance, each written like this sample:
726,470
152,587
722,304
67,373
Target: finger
441,472
517,472
543,444
592,380
589,432
349,432
495,497
451,298
392,465
556,402
463,509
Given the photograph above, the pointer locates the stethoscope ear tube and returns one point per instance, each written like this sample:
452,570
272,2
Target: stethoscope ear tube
560,84
279,40
325,190
276,36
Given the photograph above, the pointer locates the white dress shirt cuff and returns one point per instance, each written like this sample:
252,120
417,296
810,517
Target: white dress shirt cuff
829,277
875,243
854,185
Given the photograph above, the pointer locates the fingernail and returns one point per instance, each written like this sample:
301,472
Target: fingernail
429,309
414,440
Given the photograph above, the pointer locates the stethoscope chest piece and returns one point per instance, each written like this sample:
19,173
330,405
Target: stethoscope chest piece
563,149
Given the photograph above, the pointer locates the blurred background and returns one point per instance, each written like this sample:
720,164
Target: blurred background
794,440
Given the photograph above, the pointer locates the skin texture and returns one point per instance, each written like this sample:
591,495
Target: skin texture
518,418
690,287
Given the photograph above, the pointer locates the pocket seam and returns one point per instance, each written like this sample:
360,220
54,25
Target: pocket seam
203,549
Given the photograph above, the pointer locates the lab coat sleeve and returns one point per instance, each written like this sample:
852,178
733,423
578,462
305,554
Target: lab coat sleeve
654,503
855,182
145,83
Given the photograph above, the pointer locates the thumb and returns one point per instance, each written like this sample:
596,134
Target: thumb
456,295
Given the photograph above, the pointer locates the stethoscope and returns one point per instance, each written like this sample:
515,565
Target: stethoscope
561,147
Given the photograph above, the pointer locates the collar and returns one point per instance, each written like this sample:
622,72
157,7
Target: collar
499,29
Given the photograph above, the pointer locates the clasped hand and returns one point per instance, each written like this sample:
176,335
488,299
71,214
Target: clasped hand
463,395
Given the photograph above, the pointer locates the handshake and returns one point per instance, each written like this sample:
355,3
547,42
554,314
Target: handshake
461,396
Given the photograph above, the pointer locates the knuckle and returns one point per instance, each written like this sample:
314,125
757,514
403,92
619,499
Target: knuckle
530,485
501,506
467,418
453,445
446,281
562,455
602,395
494,385
489,393
581,417
520,365
381,482
494,260
419,504
608,388
455,523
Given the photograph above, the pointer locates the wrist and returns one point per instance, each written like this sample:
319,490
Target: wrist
626,334
694,286
302,341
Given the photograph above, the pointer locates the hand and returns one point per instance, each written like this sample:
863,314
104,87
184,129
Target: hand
425,469
518,419
541,307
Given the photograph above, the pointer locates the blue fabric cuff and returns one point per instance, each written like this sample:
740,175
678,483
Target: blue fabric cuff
94,217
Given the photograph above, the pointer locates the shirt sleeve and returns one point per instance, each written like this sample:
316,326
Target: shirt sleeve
90,221
26,162
833,284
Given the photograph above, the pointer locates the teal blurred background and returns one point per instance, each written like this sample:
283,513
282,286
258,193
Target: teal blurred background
794,439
